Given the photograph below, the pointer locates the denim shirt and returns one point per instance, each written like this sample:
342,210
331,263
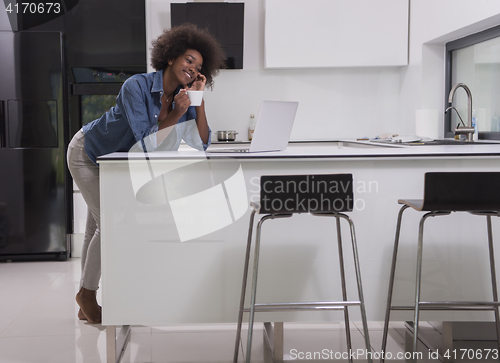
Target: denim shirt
135,119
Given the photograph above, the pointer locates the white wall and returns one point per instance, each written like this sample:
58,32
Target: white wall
341,102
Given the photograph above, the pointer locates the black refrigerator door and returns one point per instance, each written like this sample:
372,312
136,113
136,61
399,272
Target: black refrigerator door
32,160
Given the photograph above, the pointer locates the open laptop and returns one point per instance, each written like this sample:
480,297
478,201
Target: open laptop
272,130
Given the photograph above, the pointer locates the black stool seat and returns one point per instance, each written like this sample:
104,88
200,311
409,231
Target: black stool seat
444,193
459,192
282,196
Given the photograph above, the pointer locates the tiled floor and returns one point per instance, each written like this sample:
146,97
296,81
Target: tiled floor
38,323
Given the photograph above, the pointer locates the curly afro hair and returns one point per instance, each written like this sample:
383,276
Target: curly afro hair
176,41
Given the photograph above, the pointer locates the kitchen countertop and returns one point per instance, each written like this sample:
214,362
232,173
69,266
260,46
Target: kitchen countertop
337,149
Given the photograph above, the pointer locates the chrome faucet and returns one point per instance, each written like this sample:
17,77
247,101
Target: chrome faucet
469,129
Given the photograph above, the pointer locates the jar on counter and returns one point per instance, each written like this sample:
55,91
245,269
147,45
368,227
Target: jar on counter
251,127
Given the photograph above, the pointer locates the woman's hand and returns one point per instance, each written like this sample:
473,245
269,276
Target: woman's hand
199,83
182,103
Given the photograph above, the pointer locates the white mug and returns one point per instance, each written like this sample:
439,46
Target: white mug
195,97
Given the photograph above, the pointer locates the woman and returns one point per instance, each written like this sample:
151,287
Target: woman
148,106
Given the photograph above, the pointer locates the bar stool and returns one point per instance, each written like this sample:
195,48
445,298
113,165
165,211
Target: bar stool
280,197
473,192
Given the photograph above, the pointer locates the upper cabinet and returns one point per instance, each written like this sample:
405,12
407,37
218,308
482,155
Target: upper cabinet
336,33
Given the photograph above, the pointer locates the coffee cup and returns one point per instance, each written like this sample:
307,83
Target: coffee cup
195,97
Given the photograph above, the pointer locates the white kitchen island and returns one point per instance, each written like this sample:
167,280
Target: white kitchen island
165,262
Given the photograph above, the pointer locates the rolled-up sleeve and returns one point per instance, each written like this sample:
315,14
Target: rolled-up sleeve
192,137
205,146
193,116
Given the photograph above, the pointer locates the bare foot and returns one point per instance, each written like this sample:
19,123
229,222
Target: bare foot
87,301
81,315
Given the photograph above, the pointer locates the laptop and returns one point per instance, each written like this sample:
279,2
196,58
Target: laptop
272,130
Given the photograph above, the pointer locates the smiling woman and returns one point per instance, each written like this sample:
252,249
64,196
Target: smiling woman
149,107
190,58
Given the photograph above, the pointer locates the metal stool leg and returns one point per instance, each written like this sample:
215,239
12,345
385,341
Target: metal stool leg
243,287
344,289
391,283
418,282
254,288
360,289
493,277
254,280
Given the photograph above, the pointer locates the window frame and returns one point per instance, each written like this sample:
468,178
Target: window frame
464,42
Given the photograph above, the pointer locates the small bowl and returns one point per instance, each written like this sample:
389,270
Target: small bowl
226,135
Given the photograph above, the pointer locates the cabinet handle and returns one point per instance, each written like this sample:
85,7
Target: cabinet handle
2,124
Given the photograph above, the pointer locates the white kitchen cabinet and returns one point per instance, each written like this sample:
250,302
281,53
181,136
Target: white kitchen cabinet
336,33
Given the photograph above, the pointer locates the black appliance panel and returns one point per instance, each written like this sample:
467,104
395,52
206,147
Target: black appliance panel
32,212
225,21
37,65
32,153
104,74
107,33
32,124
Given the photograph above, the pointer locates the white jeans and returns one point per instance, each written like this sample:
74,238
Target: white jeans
86,176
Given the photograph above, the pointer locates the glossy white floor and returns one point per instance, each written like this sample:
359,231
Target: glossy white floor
38,323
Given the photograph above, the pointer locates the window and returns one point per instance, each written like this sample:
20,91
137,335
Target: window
475,61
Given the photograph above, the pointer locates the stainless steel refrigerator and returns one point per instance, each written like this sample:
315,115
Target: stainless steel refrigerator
33,207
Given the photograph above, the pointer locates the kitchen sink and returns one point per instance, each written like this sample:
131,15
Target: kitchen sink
450,142
340,144
354,144
438,142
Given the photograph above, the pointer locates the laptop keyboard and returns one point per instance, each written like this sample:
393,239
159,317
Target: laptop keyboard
229,150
